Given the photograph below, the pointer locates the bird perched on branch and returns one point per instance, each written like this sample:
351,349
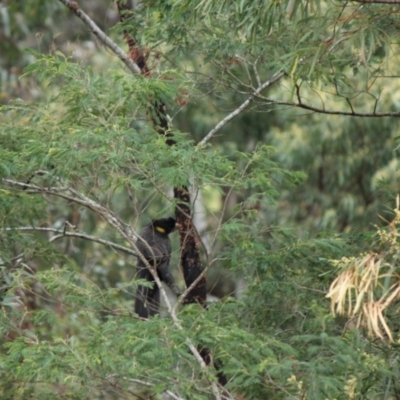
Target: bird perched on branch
155,245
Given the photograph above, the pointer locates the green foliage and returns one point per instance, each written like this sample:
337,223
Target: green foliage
281,195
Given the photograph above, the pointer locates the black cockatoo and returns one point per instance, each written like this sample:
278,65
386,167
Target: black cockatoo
154,244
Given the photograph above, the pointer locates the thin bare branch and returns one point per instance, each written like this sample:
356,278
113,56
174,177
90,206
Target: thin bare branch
144,383
74,7
352,113
241,108
78,198
63,233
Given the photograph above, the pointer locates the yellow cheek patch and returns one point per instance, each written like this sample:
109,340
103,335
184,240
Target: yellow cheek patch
159,229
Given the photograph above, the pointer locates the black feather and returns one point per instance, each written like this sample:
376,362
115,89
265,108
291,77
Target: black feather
154,244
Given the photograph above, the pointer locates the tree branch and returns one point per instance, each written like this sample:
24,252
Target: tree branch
74,7
63,233
78,198
192,286
144,383
352,113
241,108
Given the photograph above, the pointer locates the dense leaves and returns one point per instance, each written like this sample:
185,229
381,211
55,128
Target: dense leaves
296,191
